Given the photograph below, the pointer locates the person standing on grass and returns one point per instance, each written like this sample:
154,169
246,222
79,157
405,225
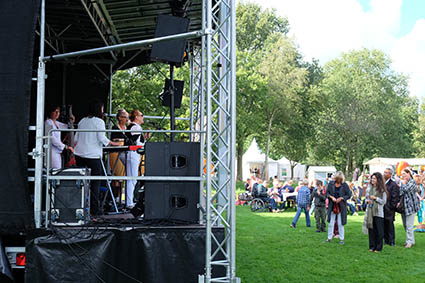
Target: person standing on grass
303,203
338,193
393,197
376,199
410,202
319,197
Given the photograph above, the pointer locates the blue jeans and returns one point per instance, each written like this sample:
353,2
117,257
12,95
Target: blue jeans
352,207
307,216
271,201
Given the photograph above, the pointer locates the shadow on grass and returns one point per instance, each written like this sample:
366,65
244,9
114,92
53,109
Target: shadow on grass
268,250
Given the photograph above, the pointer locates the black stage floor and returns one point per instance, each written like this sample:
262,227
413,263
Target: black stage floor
116,249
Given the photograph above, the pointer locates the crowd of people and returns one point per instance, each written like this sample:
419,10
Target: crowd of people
380,196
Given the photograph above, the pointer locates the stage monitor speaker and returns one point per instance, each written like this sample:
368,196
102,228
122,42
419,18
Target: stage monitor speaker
70,198
172,201
171,51
172,159
178,93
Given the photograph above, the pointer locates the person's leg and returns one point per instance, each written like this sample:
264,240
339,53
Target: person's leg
389,233
331,226
379,232
317,216
323,219
307,217
410,220
297,215
371,235
95,170
387,237
133,162
340,228
273,204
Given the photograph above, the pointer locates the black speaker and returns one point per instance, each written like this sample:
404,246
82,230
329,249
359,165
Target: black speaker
172,201
171,51
172,159
178,93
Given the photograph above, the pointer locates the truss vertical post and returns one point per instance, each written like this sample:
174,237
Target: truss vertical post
208,86
38,152
220,122
232,190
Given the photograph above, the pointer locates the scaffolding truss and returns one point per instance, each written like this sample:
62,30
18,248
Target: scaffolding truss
212,117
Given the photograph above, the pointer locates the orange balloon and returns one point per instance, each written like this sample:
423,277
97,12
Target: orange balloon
400,166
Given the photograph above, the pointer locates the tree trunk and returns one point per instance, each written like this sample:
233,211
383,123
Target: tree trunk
347,162
239,173
292,164
266,160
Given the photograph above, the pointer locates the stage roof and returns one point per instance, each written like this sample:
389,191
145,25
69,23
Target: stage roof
78,25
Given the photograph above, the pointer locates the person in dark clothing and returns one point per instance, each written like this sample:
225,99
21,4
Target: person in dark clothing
260,191
393,198
319,198
338,193
376,198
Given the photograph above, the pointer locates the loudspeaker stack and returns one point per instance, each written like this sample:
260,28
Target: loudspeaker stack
176,200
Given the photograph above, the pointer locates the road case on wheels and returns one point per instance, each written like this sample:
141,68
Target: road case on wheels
70,199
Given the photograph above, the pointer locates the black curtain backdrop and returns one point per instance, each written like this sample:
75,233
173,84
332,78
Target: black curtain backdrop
17,25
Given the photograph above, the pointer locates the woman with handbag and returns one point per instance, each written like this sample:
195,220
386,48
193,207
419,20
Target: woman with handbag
409,205
338,193
374,216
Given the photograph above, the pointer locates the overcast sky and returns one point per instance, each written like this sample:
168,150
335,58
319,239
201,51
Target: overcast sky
325,28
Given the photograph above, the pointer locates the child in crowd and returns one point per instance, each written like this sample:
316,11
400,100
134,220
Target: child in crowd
319,197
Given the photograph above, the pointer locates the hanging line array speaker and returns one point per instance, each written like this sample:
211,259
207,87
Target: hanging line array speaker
172,51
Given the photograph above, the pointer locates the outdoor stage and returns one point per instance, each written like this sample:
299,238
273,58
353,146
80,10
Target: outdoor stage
116,252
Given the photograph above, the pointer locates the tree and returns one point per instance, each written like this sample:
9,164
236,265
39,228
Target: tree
139,87
366,110
254,26
281,107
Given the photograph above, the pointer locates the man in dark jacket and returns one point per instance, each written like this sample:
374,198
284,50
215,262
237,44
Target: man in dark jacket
393,198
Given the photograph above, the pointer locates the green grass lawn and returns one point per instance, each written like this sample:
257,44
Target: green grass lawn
268,250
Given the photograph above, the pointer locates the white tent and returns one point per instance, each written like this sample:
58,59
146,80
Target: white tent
320,172
254,158
379,164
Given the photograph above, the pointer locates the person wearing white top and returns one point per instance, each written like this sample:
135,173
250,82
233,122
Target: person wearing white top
57,146
133,161
88,150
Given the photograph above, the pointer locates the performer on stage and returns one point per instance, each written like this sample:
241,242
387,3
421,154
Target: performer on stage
88,150
133,160
118,164
57,146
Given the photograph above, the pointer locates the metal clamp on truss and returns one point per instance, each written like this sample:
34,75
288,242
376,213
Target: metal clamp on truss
35,153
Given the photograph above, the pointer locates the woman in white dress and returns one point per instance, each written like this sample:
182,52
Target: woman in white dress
133,159
57,146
